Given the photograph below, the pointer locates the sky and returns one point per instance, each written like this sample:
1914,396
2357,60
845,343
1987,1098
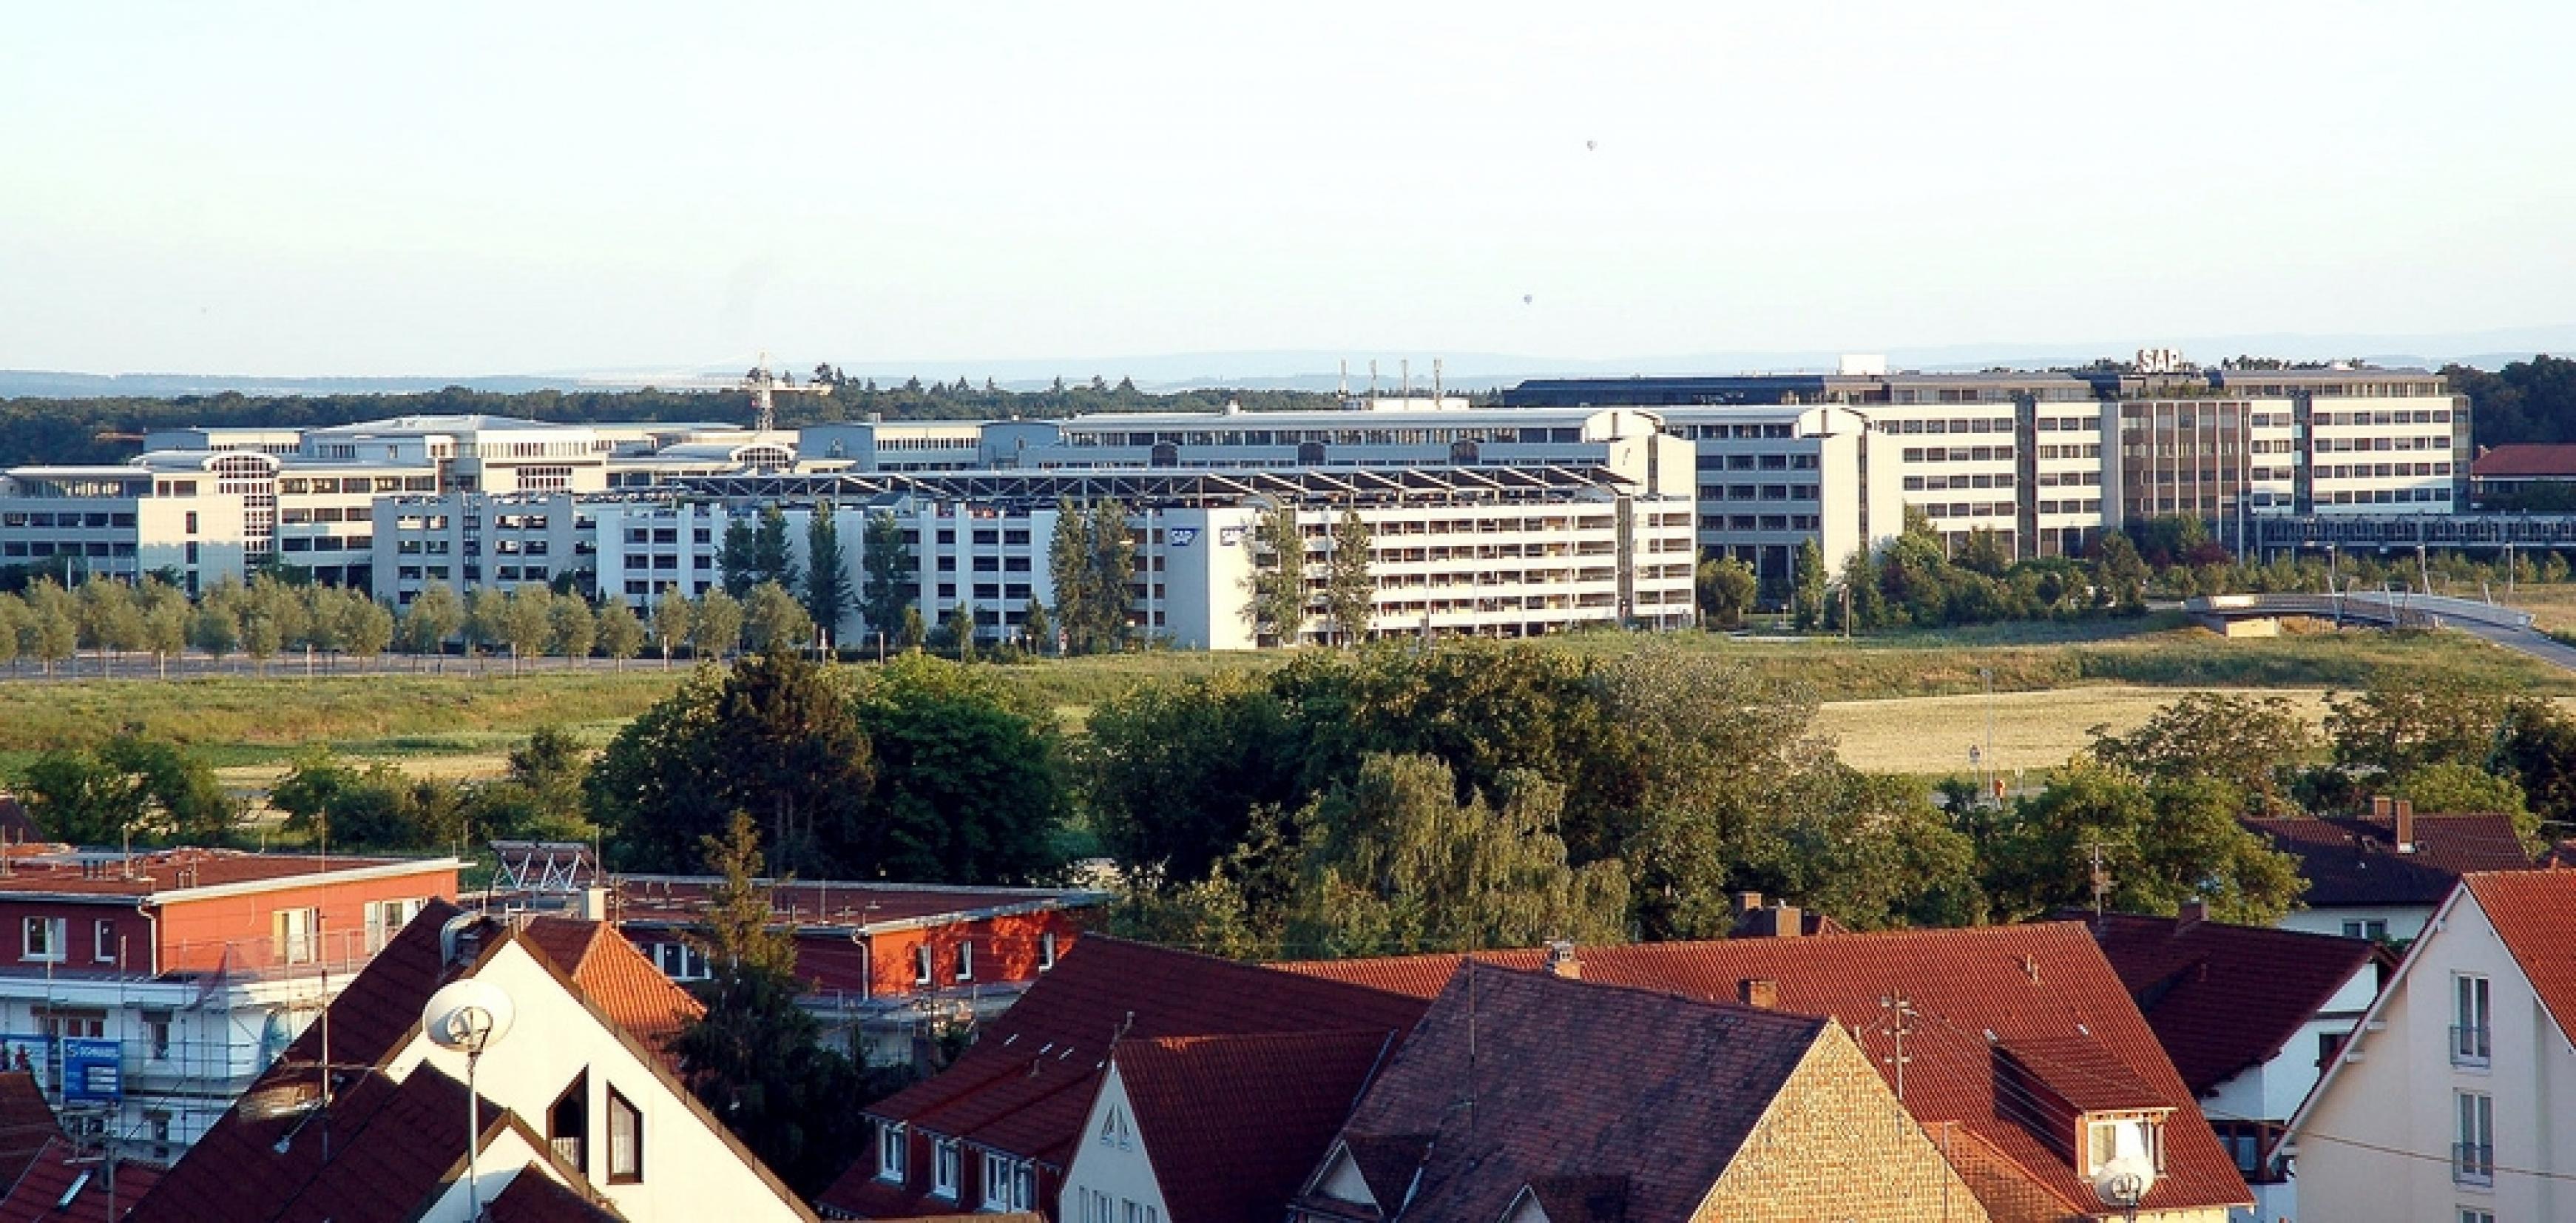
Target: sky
512,187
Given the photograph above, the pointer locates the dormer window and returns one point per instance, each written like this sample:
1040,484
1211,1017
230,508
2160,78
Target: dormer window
2109,1136
890,1151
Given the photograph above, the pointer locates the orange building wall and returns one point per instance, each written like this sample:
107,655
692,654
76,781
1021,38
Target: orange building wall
1006,950
195,932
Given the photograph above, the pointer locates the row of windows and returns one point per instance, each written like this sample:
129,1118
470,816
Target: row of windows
326,543
1757,462
2000,479
1508,435
1712,433
95,520
1958,454
2087,506
1759,522
295,486
1998,424
47,547
1760,492
1958,509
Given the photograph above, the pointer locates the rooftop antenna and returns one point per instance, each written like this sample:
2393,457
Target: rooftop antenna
1898,1025
467,1016
1372,377
1405,367
1435,382
2101,884
1346,378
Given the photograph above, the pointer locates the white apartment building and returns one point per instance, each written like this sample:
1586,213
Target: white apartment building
2450,1101
1492,551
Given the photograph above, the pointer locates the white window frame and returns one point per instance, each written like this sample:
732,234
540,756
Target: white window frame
2472,1020
625,1152
42,939
2473,1155
921,963
156,1035
297,934
894,1142
1006,1182
1046,951
946,1168
966,961
103,941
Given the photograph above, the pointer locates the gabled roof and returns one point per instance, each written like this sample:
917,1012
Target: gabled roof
2534,912
1233,1123
622,982
1594,1098
2354,861
61,1171
2224,999
27,1123
2525,460
1970,990
1026,1084
534,1197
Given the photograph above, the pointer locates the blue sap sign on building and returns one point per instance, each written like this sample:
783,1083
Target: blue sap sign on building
93,1071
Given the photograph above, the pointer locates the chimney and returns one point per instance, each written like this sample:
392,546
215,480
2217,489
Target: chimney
1785,921
2380,806
1562,962
594,904
2405,825
1746,902
1760,993
2194,912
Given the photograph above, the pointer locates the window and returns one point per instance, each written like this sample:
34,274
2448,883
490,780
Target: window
386,918
44,939
1007,1183
103,942
568,1123
625,1140
943,1168
1114,1131
890,1151
965,961
156,1034
681,961
2375,929
2108,1137
2473,1156
1046,951
921,964
291,934
2470,1045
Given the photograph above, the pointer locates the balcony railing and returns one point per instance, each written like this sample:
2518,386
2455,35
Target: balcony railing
2471,1045
2472,1163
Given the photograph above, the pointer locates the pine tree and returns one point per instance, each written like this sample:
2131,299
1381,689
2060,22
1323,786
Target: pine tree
1350,590
827,578
890,574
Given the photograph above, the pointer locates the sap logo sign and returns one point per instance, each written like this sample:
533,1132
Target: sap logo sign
1183,537
1229,537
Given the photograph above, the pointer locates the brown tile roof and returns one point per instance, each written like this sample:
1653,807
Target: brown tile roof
2353,860
168,870
616,976
534,1197
57,1171
1235,1122
27,1123
2224,999
1605,1101
2534,912
16,826
1970,990
2525,460
1025,1085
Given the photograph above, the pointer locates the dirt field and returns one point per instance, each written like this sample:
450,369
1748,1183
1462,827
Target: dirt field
2032,730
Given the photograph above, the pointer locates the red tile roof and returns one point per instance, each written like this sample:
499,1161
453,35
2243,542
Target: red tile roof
2525,461
1234,1123
2225,999
1600,1099
1025,1085
27,1123
2353,860
616,976
1970,989
534,1197
169,870
2534,912
57,1170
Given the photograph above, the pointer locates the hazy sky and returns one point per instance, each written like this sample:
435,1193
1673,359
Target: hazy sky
457,188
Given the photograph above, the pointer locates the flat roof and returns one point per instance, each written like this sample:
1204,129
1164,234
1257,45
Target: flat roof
175,874
854,906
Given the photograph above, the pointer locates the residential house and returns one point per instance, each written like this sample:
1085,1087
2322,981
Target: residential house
1214,1129
1524,1097
998,1129
69,1182
2250,1017
578,1117
2451,1101
2016,1047
2379,876
147,990
889,963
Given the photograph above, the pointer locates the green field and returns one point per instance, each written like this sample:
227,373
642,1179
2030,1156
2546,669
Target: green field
2078,675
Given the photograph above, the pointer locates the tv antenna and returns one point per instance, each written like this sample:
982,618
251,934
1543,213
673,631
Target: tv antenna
468,1016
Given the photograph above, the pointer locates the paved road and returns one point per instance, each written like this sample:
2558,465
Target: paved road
2527,641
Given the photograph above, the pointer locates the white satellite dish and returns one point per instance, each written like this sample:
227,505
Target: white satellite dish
468,1016
2124,1180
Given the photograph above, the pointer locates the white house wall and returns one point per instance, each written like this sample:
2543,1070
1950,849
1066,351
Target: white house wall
1125,1174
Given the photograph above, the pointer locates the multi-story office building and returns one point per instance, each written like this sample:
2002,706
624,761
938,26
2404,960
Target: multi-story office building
1489,551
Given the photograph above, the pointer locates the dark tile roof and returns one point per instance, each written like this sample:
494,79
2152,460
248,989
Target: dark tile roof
1605,1101
1027,1082
2534,912
2353,860
27,1123
168,870
60,1170
16,826
1970,989
1235,1122
534,1197
2224,999
2525,460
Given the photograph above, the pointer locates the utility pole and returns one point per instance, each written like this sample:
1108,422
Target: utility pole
2101,883
1898,1025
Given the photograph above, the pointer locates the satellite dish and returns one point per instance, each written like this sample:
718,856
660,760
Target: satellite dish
467,1016
2124,1180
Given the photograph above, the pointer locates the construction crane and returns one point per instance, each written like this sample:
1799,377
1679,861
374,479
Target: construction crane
763,382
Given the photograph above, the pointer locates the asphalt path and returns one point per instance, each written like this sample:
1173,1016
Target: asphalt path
2527,641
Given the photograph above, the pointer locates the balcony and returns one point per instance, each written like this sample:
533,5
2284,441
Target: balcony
2472,1046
